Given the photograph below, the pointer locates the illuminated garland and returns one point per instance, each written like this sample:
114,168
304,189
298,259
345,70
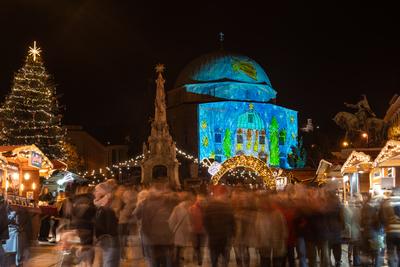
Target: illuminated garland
354,159
253,163
391,149
101,174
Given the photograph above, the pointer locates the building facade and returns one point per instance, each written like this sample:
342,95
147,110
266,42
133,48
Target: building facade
392,118
222,105
94,154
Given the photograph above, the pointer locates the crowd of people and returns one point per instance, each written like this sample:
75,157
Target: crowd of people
299,226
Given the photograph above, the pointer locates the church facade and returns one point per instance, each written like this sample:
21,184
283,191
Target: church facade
223,105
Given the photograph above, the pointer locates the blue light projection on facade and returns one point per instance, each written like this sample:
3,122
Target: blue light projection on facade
230,128
228,76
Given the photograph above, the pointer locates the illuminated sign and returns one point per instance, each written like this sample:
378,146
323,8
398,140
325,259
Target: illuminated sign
36,159
262,130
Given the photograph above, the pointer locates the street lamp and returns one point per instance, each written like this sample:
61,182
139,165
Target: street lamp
345,144
365,136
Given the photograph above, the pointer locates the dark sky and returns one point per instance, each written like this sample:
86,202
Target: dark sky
102,53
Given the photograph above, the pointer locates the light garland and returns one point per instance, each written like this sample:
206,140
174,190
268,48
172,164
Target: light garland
391,149
250,162
355,158
103,173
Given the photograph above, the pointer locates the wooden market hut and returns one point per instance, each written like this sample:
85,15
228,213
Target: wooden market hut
355,172
24,167
386,167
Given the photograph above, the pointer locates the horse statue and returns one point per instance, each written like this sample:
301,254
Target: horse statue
376,129
347,121
363,120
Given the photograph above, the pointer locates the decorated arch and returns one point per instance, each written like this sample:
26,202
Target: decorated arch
250,162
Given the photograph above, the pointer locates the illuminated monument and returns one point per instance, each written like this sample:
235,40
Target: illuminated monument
221,107
160,156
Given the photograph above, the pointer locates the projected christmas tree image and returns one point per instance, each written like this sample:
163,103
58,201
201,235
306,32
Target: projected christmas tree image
30,113
227,143
274,142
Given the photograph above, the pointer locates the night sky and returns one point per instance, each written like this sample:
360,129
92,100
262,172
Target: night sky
102,53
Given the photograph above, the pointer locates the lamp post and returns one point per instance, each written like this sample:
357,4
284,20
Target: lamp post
365,136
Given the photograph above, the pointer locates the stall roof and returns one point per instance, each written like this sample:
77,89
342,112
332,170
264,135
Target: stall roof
389,155
355,160
15,150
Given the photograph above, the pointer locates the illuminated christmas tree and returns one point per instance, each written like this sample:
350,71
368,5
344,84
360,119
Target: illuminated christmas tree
30,112
274,142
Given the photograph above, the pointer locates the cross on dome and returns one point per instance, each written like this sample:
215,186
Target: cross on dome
34,51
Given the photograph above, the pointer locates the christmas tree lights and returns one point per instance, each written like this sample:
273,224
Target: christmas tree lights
30,113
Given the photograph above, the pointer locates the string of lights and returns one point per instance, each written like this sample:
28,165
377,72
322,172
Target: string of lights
99,175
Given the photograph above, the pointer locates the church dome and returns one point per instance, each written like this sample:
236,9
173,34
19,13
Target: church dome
226,75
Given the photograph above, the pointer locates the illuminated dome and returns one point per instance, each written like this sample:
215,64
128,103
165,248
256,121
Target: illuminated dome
228,76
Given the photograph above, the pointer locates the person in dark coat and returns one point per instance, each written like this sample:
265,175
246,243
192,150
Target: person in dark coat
219,223
81,212
46,197
107,249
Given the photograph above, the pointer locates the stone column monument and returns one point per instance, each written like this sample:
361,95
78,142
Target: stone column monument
160,150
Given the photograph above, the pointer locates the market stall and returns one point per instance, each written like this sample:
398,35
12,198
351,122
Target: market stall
386,172
24,165
355,172
59,180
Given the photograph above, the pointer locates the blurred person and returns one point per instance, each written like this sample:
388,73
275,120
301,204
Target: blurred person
47,199
297,194
219,223
372,231
245,215
107,245
352,217
196,212
18,227
153,212
390,216
118,191
80,211
180,225
335,225
272,233
4,234
126,224
287,206
316,229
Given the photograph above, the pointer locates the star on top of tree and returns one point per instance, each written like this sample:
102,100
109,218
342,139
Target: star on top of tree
160,68
34,51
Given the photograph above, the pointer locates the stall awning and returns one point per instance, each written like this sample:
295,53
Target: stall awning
389,155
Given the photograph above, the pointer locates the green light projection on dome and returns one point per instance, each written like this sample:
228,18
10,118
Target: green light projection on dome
256,129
